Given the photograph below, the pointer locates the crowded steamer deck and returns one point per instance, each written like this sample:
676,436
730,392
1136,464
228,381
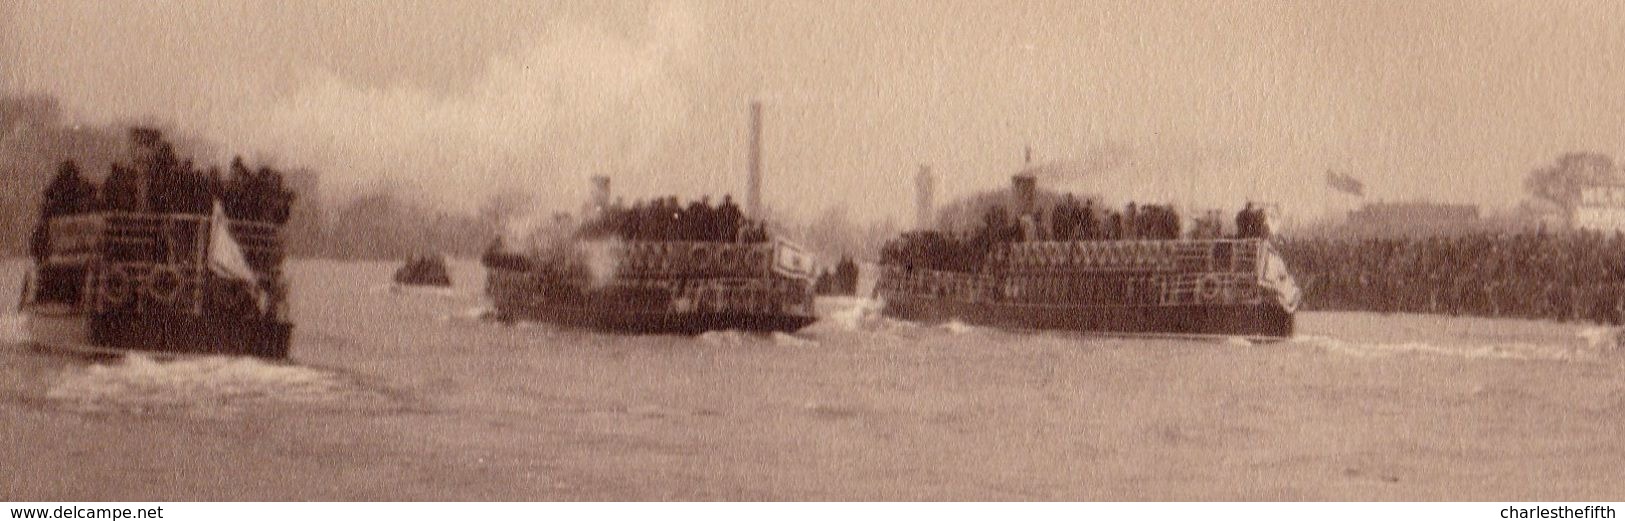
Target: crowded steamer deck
1133,272
160,257
656,267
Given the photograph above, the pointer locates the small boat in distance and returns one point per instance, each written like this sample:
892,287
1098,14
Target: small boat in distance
424,270
160,258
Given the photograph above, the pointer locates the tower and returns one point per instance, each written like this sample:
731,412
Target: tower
753,188
924,198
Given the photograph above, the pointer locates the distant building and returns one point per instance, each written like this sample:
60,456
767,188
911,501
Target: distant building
1601,208
1414,218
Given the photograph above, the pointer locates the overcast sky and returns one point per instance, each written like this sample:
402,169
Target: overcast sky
1201,102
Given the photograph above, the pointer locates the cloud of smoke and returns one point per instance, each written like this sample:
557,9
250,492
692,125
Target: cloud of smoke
583,96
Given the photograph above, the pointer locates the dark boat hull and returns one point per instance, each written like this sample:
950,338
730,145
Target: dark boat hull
170,333
655,323
1255,320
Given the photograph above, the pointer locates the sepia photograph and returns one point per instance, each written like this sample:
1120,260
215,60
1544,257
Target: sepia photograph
1078,251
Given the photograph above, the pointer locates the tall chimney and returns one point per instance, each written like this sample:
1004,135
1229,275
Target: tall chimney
600,197
924,193
1024,189
753,189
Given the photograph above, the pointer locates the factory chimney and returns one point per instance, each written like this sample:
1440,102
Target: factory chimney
924,198
753,189
600,197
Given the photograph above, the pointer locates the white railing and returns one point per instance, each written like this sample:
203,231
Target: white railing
718,294
155,238
1075,289
1178,256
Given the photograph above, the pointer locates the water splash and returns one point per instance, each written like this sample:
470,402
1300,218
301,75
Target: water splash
1603,340
216,385
789,340
470,315
1492,351
855,313
728,338
14,329
958,328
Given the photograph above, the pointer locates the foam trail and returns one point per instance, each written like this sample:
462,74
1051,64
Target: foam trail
14,329
789,340
856,314
958,328
208,385
1492,351
729,338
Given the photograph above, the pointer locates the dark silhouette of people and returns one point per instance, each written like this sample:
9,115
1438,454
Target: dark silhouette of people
69,193
665,219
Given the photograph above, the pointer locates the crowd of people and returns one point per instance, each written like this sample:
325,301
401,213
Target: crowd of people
1072,221
842,281
158,181
1069,220
1558,276
666,219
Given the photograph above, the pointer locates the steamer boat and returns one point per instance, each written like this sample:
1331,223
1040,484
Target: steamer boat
654,268
173,277
658,287
1175,286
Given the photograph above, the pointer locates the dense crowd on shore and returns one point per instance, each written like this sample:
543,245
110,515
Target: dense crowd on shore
1558,276
666,219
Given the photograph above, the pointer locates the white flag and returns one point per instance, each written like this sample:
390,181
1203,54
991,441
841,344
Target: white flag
226,256
790,261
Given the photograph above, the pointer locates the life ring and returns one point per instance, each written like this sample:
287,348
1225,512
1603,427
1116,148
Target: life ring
1209,288
117,286
164,285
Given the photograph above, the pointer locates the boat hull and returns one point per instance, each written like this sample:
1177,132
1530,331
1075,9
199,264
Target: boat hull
655,323
170,333
1262,320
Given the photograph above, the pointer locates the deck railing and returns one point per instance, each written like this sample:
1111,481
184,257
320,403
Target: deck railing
156,238
1171,274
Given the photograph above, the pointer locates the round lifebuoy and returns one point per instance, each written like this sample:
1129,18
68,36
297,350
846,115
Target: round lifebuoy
1209,288
164,285
117,286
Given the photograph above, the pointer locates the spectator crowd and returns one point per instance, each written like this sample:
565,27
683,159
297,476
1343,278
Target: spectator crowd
1559,276
158,181
665,219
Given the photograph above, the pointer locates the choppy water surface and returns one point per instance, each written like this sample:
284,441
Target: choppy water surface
408,394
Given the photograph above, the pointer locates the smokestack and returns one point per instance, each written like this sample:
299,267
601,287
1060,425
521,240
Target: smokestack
924,204
1024,189
600,196
753,190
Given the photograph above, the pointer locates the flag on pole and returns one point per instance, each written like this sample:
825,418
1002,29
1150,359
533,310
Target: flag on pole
1345,183
226,257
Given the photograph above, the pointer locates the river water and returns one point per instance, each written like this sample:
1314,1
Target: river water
408,395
